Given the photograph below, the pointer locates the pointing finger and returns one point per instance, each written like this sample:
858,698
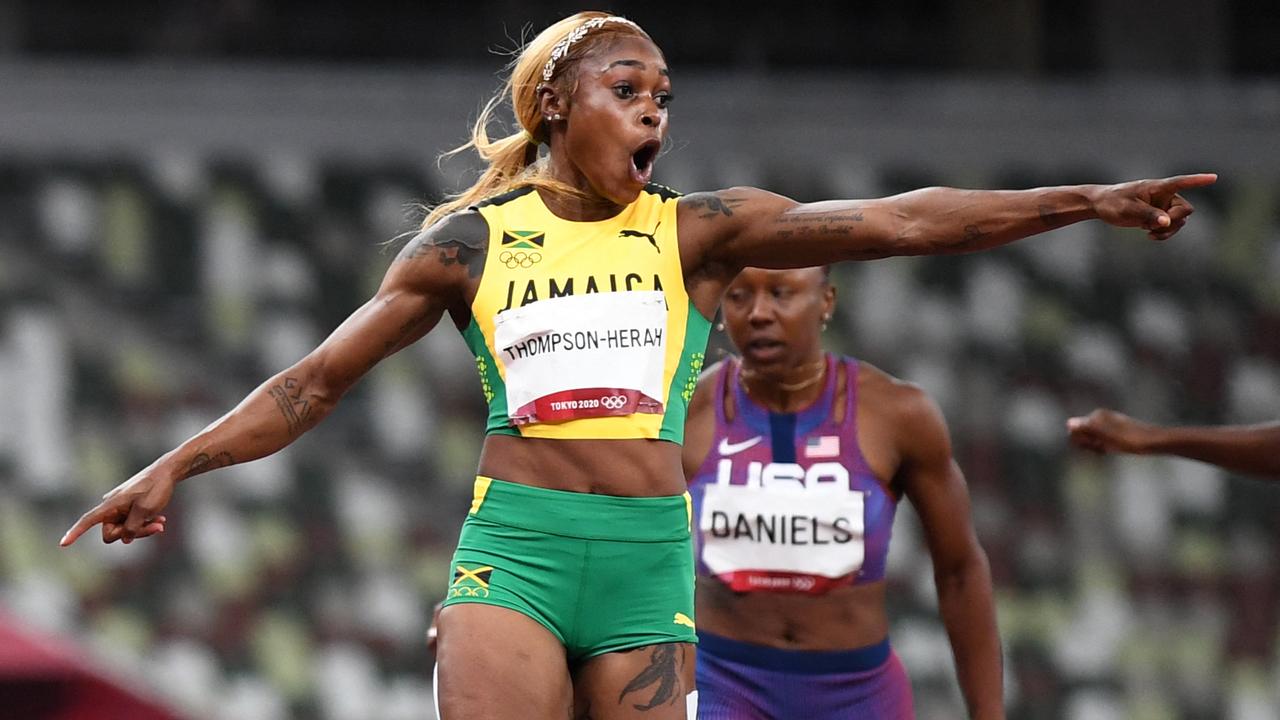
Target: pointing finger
1183,182
96,515
1164,192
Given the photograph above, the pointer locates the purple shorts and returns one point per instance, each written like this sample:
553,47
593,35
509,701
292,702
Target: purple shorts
742,681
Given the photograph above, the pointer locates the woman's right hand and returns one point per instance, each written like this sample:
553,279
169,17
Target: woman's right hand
130,511
430,274
1105,431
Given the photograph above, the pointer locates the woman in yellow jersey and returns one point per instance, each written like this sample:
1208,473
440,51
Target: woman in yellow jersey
583,292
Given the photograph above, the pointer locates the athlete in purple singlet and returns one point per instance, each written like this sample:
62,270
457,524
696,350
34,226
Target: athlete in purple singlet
797,460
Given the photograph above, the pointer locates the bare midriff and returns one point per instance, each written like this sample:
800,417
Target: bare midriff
629,468
845,618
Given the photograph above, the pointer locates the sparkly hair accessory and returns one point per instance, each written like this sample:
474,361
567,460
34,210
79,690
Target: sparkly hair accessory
562,48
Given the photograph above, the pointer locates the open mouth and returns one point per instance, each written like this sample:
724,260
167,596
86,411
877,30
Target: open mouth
642,161
764,349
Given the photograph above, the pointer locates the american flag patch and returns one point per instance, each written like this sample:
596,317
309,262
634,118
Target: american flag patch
826,446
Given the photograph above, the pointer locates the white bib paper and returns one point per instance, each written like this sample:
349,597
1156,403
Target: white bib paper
792,541
578,356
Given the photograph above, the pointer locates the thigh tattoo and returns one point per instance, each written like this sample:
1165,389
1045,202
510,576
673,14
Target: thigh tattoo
658,683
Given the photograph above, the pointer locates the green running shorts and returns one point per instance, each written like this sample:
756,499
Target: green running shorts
602,573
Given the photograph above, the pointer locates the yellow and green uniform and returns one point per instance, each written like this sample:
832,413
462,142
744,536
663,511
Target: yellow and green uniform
583,330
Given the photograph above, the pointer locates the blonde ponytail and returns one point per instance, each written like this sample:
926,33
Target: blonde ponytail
512,161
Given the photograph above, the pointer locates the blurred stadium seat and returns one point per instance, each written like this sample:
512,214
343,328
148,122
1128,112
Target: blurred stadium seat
152,273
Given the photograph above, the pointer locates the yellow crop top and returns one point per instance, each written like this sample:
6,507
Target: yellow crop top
583,330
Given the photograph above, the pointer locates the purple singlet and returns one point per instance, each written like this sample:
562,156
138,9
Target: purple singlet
786,502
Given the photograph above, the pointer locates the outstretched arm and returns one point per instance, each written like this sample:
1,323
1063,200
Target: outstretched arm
426,277
936,488
743,227
1249,449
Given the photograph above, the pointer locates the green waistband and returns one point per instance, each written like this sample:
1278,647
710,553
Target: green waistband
582,515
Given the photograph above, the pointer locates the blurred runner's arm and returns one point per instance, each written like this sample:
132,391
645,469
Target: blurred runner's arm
1249,449
425,279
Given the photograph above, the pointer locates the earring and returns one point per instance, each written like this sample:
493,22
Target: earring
825,319
719,327
557,116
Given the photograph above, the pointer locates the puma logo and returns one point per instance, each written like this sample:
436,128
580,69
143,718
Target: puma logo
682,619
638,233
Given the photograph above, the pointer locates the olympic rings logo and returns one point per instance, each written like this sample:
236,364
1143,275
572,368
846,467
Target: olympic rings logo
613,402
519,258
467,591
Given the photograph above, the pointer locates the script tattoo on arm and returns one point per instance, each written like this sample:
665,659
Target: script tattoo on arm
293,407
837,225
827,222
662,675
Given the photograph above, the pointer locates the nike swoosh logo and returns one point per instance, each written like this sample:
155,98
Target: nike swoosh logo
728,448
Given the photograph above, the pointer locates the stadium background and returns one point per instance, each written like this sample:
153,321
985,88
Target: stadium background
193,194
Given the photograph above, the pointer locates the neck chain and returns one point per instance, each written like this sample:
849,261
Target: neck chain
819,369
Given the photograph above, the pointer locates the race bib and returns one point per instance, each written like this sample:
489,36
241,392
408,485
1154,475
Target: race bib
788,541
583,356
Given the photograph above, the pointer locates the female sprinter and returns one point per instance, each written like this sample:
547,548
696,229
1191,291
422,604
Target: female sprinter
797,460
583,291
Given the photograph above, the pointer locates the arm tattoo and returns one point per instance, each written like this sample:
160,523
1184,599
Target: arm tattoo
662,672
710,205
204,463
813,224
974,234
454,241
292,406
393,344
